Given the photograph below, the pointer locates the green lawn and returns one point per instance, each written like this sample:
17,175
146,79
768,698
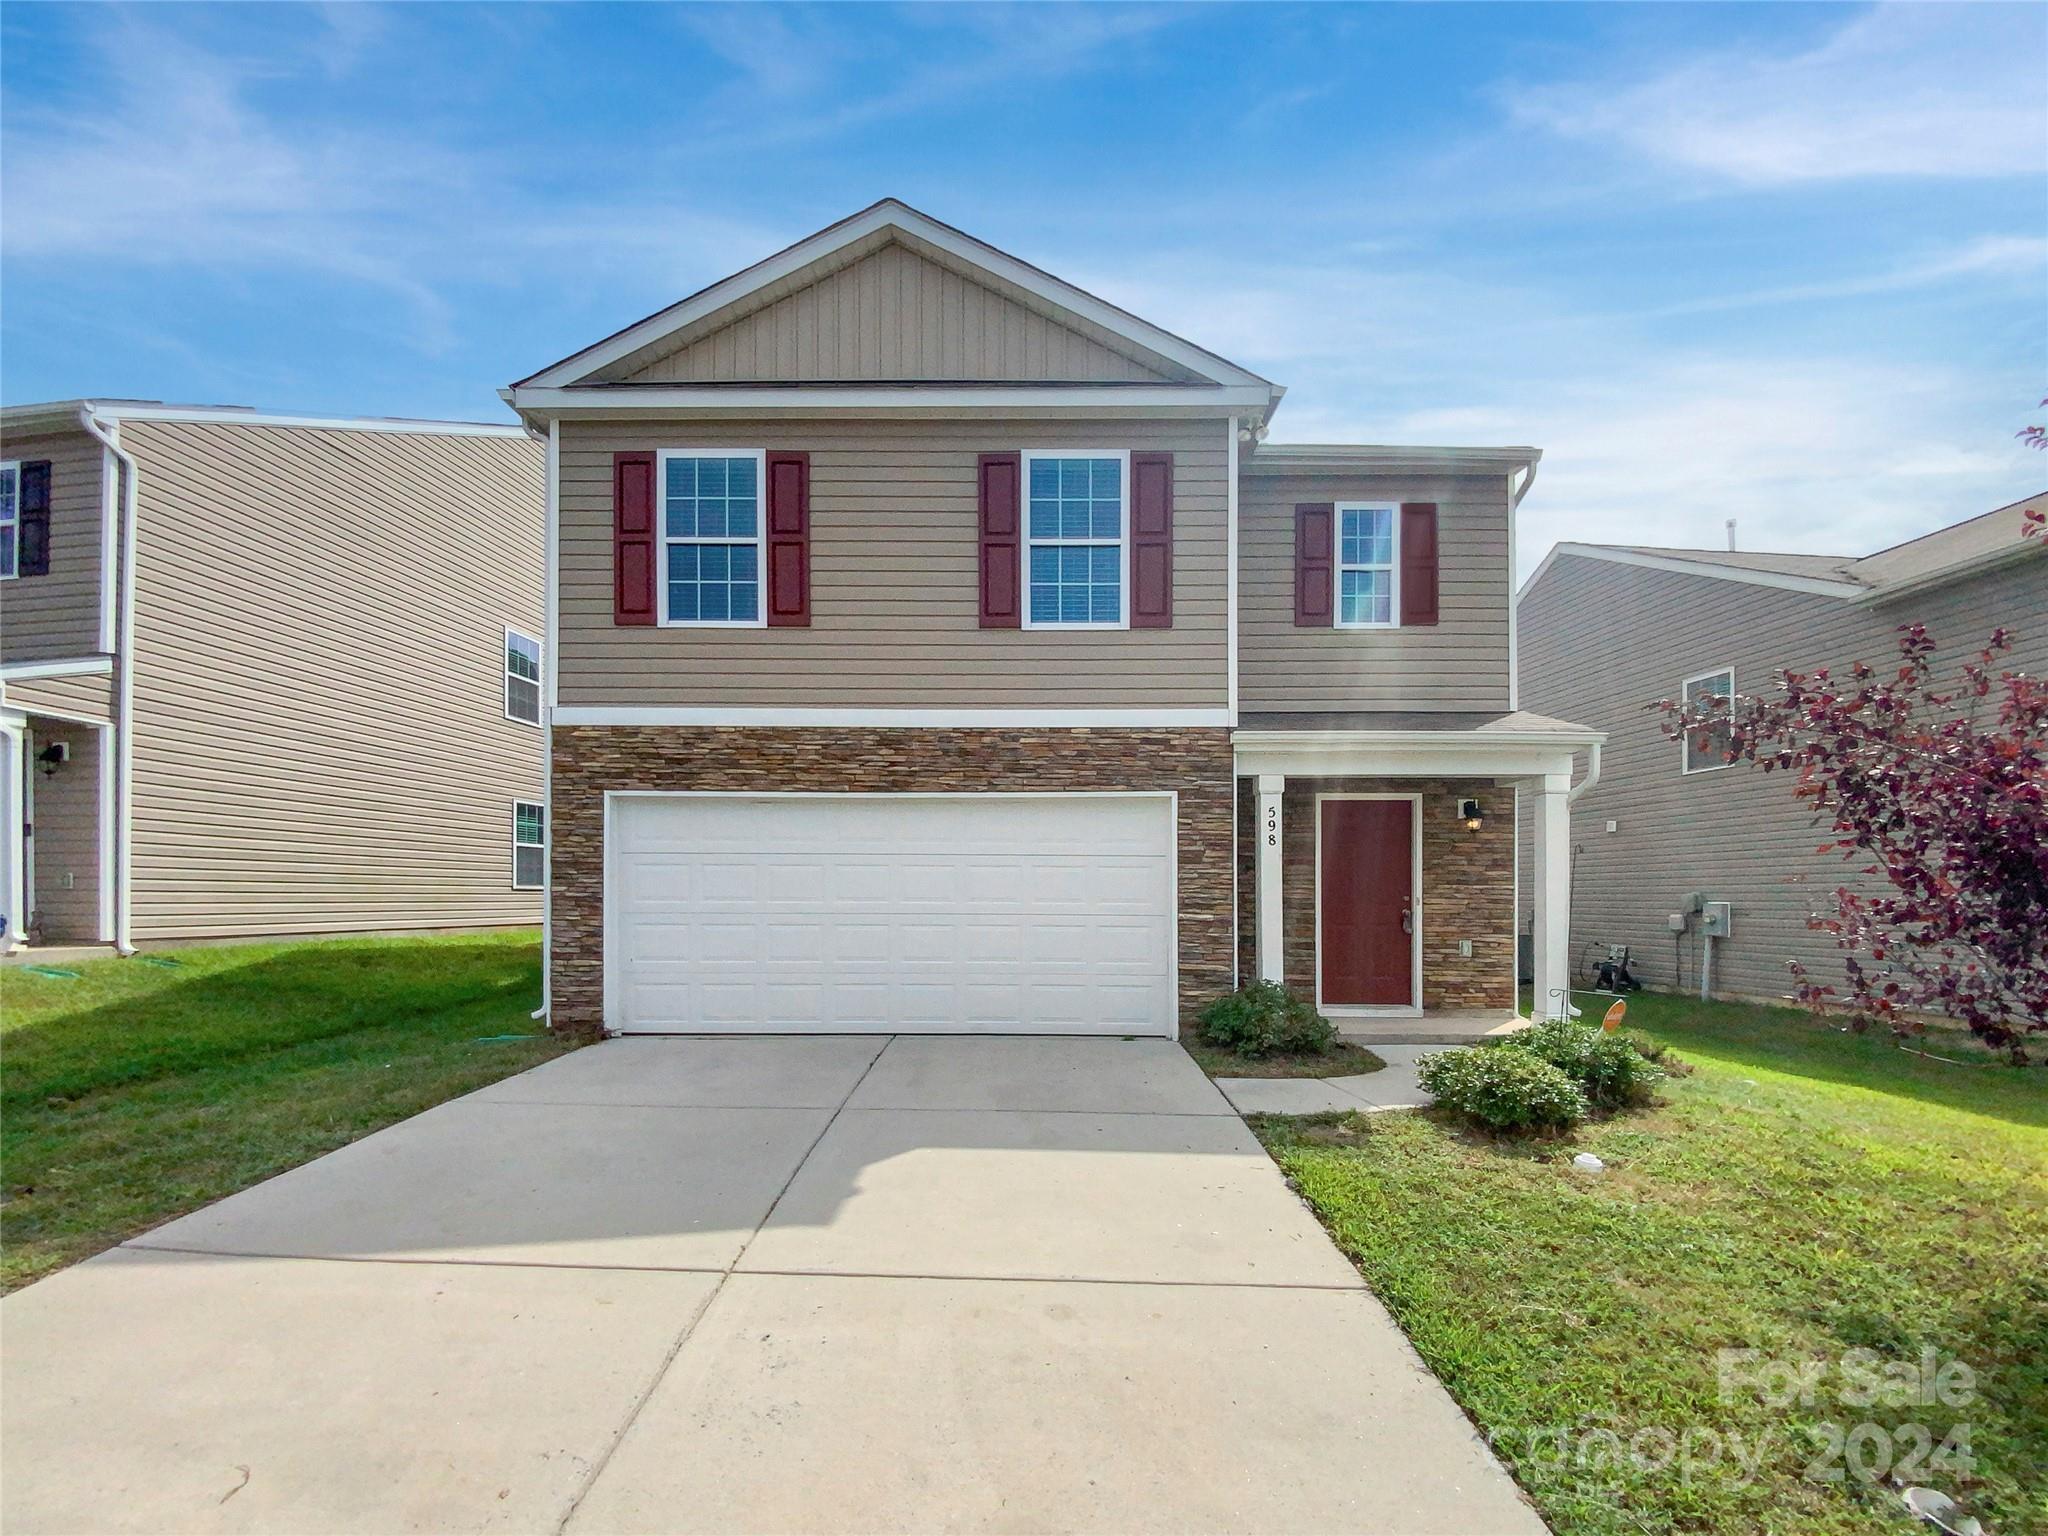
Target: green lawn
1803,1193
143,1090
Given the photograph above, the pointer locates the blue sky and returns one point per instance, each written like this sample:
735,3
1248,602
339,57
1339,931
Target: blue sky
1782,263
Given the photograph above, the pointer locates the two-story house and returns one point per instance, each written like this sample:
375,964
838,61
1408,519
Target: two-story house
1609,629
265,674
941,648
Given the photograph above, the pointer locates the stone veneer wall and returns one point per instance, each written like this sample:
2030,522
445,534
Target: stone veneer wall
588,760
1467,886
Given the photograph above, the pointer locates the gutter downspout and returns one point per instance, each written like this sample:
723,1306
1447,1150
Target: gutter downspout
124,767
550,694
1527,480
1592,775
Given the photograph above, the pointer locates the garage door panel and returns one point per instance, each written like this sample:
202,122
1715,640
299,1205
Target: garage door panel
901,913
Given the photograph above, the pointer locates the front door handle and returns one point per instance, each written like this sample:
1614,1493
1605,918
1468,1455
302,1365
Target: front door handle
1407,917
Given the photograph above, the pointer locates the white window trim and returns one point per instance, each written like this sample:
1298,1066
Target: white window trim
1684,769
13,467
540,683
1392,567
517,807
1122,541
759,541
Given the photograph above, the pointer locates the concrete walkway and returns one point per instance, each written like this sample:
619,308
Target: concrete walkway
1393,1087
823,1284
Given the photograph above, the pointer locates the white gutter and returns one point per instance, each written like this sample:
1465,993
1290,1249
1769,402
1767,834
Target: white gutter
124,683
1592,776
551,624
1528,479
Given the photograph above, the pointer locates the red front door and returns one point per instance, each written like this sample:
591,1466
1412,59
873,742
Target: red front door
1368,873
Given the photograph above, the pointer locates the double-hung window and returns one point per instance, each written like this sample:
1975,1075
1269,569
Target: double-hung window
522,677
711,537
1076,548
10,519
529,845
1368,569
1706,750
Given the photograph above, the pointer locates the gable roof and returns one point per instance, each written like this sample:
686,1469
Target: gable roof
1109,341
1947,554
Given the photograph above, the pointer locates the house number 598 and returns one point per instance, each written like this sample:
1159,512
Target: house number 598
1272,826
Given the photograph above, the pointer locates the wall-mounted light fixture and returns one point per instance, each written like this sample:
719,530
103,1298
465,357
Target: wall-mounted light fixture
53,757
1470,814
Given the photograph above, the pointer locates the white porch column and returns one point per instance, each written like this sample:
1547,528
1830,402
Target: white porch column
13,887
1271,929
1552,902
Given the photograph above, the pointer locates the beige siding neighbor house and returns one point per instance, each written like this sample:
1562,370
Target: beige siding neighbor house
1607,630
266,675
944,649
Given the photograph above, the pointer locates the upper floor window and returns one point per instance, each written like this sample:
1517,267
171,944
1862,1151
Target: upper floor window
10,519
711,537
1368,595
1075,549
1706,750
522,677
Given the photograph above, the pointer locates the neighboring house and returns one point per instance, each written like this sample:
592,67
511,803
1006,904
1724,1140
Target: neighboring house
266,675
1607,630
940,649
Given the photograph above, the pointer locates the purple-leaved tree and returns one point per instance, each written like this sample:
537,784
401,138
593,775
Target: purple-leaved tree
1943,792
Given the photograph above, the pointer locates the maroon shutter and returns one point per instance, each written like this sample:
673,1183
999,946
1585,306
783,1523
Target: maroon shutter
32,512
1418,562
789,539
1001,475
633,538
1151,541
1314,563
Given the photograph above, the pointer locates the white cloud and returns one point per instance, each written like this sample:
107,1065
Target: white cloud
1901,90
1644,441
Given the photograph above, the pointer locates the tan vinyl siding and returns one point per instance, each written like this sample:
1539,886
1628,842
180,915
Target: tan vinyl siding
66,823
895,562
892,314
43,618
89,695
321,742
1460,663
1599,641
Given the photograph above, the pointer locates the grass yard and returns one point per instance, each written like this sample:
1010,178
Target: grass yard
1803,1193
142,1090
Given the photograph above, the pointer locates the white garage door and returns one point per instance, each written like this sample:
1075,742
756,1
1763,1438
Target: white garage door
917,914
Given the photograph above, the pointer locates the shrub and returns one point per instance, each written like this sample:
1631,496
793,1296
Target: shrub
1265,1019
1611,1069
1503,1090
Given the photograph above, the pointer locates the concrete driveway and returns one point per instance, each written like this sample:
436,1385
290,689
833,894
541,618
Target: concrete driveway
824,1284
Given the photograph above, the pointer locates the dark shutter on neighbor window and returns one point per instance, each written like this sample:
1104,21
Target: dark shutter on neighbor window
1418,563
633,538
789,539
32,510
1151,541
1315,563
1001,495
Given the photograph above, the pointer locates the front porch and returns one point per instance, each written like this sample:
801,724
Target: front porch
1377,869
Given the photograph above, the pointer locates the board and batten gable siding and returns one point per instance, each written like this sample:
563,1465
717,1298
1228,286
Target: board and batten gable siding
1600,641
891,314
1459,663
895,571
321,742
57,615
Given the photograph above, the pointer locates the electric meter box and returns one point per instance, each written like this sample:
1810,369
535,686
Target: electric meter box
1718,919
